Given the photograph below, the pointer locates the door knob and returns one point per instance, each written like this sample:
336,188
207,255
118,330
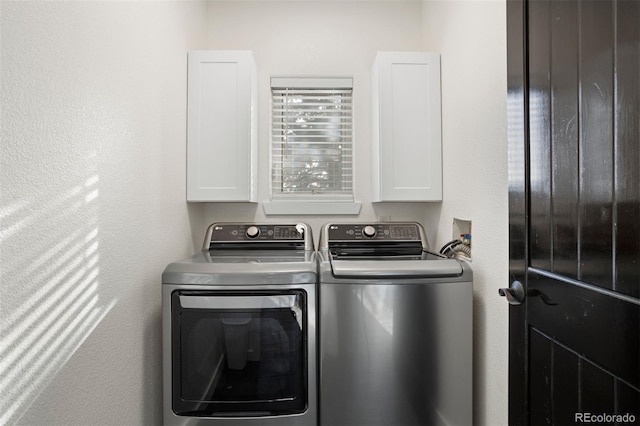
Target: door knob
514,294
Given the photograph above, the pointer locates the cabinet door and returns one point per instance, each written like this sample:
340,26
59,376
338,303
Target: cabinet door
221,131
407,131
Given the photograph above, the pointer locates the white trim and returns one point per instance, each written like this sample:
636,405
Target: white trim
311,207
312,82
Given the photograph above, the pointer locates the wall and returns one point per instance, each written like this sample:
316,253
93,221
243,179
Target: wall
471,37
341,38
311,38
92,204
93,175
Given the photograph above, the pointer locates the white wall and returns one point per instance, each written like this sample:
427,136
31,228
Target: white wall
303,38
471,37
341,38
92,198
92,204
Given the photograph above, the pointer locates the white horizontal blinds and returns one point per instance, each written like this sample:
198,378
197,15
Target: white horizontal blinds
312,138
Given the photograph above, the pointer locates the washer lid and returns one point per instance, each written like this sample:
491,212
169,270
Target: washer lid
242,270
380,268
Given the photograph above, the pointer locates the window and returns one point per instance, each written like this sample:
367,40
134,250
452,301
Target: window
312,139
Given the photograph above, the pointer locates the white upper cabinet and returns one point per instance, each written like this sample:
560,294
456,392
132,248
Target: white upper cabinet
407,129
222,126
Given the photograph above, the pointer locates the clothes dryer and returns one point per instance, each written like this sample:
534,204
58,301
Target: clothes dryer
239,329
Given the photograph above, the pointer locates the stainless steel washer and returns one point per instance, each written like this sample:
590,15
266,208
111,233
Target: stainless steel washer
239,329
395,329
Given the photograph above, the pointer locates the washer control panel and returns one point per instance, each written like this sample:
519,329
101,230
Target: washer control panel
374,232
234,232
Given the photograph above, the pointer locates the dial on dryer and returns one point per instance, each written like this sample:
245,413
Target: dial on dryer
369,231
253,232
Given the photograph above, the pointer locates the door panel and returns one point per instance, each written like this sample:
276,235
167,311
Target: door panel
603,327
564,90
564,384
574,191
540,152
552,367
627,149
595,70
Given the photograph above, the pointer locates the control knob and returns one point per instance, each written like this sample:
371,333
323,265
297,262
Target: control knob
253,231
369,231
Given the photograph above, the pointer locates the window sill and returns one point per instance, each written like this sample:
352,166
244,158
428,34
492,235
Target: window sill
311,207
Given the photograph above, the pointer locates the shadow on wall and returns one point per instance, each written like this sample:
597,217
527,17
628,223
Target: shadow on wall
51,287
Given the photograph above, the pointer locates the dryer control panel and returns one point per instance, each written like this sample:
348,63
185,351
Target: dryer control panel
254,235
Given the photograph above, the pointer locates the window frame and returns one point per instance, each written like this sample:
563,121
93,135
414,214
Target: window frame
310,203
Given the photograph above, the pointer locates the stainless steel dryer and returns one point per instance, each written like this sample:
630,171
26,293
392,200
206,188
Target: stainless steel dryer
239,329
395,329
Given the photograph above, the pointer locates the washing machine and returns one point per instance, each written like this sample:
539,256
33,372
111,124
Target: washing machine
395,328
239,329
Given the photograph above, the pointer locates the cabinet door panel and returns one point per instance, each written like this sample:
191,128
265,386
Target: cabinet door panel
220,127
407,127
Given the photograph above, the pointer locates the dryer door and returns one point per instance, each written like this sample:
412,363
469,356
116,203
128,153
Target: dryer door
239,353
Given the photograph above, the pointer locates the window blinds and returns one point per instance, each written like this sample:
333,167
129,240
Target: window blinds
312,138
